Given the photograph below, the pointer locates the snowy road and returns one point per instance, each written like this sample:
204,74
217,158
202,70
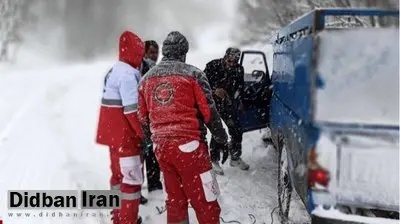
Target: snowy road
47,129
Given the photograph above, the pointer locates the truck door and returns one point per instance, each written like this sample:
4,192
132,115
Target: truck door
257,91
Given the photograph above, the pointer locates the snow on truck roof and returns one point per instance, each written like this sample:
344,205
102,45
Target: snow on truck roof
315,19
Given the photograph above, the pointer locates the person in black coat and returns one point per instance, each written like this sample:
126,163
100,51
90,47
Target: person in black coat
152,167
151,55
226,78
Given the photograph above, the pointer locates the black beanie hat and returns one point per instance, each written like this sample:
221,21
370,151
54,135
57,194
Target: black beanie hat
175,45
233,52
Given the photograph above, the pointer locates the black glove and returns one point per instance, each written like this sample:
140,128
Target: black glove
225,153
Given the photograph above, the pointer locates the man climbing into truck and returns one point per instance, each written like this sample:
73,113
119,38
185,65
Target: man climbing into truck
226,78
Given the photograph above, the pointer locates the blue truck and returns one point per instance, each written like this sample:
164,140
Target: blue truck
332,105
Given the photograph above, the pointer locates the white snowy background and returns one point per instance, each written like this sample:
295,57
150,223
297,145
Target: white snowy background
49,110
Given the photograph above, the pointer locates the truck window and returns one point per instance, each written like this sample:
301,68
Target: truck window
253,62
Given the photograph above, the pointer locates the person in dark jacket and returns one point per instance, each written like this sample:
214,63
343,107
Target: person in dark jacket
152,167
151,52
226,78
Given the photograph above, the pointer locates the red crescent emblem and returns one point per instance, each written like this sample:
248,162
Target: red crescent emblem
164,93
130,173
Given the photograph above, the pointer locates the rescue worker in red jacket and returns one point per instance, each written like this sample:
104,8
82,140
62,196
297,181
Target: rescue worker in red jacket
175,99
119,127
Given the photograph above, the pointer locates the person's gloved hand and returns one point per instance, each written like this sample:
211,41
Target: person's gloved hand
225,153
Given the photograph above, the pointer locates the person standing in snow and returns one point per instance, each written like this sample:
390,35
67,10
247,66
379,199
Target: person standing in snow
152,167
226,78
120,130
151,53
175,101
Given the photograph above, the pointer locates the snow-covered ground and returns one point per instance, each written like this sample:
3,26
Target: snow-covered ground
47,131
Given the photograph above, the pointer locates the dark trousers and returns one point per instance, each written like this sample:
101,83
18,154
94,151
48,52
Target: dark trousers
152,166
228,113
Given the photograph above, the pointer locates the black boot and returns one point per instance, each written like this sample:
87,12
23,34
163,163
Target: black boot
143,200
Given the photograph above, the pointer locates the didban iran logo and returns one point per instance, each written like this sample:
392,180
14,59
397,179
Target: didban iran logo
85,199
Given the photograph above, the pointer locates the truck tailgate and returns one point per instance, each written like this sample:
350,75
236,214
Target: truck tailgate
365,169
369,173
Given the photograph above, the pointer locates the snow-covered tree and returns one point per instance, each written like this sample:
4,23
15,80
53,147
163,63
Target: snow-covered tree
8,26
84,29
259,20
14,16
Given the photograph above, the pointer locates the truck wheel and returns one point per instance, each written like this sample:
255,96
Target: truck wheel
284,184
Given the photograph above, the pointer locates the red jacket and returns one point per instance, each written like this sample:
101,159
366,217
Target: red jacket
118,124
175,100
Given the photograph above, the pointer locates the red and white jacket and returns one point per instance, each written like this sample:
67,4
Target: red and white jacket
175,100
118,123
